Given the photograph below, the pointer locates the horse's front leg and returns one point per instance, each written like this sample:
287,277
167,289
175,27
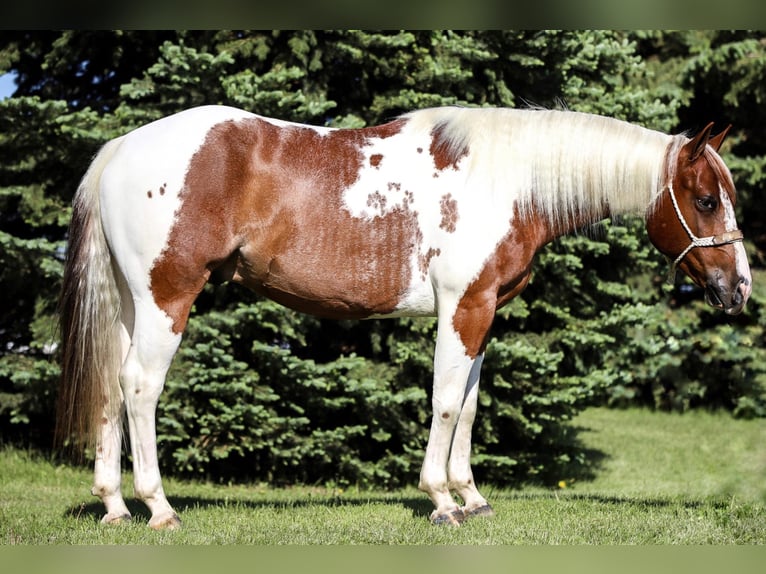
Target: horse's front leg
456,372
459,470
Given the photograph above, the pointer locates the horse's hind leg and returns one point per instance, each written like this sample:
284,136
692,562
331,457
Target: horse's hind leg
152,348
107,471
109,441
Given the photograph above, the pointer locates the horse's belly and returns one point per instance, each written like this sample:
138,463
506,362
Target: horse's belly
356,290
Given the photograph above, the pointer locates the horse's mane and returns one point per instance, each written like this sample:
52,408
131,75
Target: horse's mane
557,163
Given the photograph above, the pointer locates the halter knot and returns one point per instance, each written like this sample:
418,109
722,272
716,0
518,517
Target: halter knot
725,238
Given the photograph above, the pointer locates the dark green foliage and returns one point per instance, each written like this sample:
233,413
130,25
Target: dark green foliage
247,399
259,392
689,357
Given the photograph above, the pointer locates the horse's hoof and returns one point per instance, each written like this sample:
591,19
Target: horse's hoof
116,518
484,511
454,518
165,522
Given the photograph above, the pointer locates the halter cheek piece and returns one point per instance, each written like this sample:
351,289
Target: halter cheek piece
725,238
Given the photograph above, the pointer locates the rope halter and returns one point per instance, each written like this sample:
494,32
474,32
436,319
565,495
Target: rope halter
725,238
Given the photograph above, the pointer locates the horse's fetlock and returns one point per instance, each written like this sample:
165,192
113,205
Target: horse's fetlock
104,491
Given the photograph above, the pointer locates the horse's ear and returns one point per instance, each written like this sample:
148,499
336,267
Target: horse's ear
716,141
698,143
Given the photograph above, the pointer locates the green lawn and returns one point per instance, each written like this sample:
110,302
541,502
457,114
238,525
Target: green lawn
697,478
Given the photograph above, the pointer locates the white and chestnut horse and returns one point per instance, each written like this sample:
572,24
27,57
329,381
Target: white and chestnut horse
439,212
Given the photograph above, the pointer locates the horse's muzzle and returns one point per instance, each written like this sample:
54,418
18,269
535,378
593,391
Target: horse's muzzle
731,301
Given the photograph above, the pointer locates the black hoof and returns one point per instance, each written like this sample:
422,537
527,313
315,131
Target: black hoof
454,518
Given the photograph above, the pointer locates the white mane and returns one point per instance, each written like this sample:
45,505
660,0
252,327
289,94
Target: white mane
559,163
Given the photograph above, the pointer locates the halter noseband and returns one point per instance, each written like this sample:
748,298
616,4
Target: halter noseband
725,238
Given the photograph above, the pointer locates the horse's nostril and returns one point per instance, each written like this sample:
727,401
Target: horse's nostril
713,298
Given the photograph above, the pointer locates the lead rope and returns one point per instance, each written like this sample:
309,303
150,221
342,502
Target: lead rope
724,238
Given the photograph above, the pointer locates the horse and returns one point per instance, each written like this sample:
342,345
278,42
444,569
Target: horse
438,212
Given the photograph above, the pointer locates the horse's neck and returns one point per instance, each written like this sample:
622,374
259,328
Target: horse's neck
576,193
630,187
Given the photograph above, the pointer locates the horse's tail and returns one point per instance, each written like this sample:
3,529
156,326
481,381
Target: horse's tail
89,312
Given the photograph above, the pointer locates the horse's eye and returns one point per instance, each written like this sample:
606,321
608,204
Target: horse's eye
707,203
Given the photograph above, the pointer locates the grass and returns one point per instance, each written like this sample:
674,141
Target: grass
697,478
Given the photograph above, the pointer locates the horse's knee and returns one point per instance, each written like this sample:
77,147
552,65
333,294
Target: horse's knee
446,409
447,416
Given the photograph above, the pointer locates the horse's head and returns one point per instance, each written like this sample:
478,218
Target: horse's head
693,222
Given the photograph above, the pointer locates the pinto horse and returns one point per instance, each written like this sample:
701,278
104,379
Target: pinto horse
439,212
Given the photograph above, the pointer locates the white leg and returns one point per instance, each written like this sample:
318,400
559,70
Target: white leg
107,471
459,468
106,483
142,379
451,370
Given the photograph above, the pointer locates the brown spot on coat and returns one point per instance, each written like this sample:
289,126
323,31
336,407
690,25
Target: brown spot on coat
377,201
449,213
375,159
424,260
263,206
149,194
409,198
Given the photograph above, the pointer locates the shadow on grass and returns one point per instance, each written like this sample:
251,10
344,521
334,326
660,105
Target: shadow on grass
570,461
420,507
93,511
619,501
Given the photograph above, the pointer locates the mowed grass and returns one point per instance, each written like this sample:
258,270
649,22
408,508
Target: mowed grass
658,478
